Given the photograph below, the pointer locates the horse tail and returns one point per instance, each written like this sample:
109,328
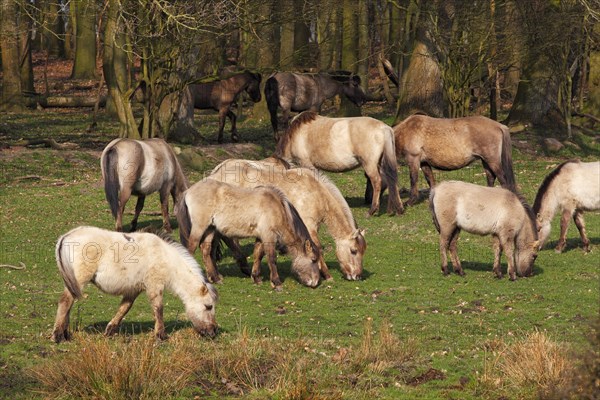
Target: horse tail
272,98
185,222
390,172
432,209
110,159
64,261
506,160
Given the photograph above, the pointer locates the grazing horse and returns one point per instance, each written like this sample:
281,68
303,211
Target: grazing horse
573,187
220,95
317,200
301,92
484,210
140,167
453,143
209,207
342,144
125,264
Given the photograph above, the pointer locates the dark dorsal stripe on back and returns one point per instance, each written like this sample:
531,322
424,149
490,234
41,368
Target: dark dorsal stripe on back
299,120
539,198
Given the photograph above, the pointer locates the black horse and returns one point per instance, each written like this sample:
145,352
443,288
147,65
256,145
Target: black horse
301,92
220,95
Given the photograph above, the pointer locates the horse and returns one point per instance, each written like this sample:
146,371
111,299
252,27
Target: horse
317,200
452,143
140,167
482,210
342,144
211,207
573,187
301,92
220,95
125,264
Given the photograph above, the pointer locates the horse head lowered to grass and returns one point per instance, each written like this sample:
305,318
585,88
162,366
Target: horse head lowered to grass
125,264
481,210
210,207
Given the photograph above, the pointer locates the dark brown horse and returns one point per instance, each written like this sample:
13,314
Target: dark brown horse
453,143
140,167
220,95
306,92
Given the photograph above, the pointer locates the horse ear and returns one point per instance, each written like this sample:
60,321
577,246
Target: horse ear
362,232
356,79
203,290
308,247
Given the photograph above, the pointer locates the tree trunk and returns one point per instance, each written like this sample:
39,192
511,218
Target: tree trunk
286,48
421,89
350,36
84,66
54,29
301,36
328,36
265,51
119,94
11,98
363,44
26,64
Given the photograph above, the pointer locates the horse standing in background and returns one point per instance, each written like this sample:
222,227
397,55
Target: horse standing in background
317,200
220,95
140,167
126,265
296,92
452,143
210,207
342,144
484,210
573,187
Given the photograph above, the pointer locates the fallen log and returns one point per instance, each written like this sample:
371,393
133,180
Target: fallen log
47,143
64,101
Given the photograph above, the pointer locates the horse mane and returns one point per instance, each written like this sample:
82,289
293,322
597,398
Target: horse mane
183,252
299,120
335,192
545,186
293,216
530,214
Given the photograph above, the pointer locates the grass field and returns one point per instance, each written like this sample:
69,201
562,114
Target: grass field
404,331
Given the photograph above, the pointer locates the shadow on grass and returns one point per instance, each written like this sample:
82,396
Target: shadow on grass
572,244
488,267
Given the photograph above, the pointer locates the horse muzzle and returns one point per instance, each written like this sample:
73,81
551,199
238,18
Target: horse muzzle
206,330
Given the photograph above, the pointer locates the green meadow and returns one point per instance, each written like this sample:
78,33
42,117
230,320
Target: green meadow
404,331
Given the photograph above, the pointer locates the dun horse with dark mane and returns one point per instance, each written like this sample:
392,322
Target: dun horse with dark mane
453,143
140,167
301,92
481,210
220,95
573,187
342,144
210,207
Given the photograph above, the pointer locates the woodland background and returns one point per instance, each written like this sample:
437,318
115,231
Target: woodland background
527,63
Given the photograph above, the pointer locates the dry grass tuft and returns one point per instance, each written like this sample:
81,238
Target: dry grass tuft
236,364
534,365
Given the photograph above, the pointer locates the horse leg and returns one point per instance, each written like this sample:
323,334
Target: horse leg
258,254
489,173
222,115
233,118
323,269
208,259
234,245
375,178
139,205
427,171
271,260
508,245
124,307
445,238
61,324
564,226
164,208
580,223
156,300
497,253
454,253
124,195
413,170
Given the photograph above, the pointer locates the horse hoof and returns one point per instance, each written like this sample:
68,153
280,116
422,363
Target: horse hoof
278,288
